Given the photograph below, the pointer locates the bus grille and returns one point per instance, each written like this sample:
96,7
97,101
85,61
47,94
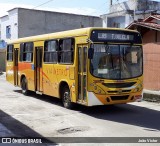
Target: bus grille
123,91
125,97
119,85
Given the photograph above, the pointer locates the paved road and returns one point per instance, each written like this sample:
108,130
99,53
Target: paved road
39,116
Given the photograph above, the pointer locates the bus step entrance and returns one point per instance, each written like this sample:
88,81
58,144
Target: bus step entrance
38,92
82,103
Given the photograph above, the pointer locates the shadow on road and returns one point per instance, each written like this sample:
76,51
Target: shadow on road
122,113
126,114
45,98
19,129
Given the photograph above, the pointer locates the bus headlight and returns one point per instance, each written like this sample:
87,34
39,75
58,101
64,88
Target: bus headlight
98,90
138,88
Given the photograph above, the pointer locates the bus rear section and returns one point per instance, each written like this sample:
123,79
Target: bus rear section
12,64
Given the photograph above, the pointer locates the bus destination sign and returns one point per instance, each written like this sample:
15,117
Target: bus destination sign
114,36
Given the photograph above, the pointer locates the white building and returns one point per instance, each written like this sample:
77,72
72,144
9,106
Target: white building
9,25
122,14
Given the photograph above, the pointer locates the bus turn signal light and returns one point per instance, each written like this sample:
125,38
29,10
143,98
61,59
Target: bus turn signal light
138,96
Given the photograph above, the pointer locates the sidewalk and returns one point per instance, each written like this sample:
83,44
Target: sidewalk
151,96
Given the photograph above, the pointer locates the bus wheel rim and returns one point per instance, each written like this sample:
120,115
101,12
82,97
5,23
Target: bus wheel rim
66,99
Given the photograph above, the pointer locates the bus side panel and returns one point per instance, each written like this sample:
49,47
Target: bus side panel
63,75
54,75
27,70
50,82
10,72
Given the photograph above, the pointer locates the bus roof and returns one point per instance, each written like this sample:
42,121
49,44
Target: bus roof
63,34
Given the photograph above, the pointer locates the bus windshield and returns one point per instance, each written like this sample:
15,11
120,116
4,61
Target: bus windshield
116,61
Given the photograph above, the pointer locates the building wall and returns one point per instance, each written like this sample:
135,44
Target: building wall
127,5
116,21
151,60
128,19
147,5
10,20
0,29
28,22
37,22
2,60
138,5
3,44
132,10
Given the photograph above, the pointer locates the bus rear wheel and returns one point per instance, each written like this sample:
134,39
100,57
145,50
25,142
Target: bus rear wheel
24,86
66,99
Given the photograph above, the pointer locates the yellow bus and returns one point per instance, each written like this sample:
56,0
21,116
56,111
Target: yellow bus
89,66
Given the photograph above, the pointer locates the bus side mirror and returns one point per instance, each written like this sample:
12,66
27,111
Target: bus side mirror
90,53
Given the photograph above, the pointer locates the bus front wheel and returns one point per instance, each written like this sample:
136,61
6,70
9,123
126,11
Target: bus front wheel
24,86
66,99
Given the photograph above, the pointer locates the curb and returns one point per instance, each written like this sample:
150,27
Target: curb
151,97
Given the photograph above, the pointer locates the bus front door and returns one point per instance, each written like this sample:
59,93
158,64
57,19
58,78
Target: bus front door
38,70
82,73
15,66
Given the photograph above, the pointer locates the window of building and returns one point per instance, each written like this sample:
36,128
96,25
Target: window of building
66,51
117,25
50,51
10,53
26,52
8,32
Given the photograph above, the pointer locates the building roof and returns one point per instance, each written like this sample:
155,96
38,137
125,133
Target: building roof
147,22
151,17
50,12
118,13
4,16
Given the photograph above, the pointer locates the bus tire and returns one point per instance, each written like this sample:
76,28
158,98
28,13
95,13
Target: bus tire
66,99
24,86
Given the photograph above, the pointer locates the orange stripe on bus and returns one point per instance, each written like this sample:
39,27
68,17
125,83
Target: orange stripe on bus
23,66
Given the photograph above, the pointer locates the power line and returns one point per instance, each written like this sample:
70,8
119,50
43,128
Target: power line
43,4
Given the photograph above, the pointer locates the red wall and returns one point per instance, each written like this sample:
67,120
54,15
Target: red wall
151,50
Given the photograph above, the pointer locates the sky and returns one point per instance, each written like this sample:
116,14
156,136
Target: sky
84,7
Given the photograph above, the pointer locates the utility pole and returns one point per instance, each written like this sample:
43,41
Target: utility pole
135,7
111,2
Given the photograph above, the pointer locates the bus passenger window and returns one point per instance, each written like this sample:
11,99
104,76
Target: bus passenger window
50,51
10,53
26,52
66,51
